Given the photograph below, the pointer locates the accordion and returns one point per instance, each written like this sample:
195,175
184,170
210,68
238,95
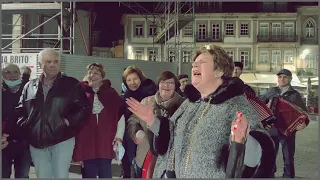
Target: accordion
289,115
265,115
148,166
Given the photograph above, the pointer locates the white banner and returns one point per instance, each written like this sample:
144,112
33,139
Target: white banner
23,59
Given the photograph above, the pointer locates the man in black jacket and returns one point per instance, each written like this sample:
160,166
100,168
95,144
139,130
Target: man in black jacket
17,152
237,71
25,73
285,90
51,109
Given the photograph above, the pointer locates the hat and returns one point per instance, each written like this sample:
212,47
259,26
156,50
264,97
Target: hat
285,72
181,76
238,64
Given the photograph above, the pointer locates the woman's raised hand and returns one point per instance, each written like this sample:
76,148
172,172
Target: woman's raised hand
240,129
144,112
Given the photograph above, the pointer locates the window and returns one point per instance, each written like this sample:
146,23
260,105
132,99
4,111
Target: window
245,59
263,57
103,54
231,54
152,30
139,31
244,29
276,60
288,30
138,55
310,29
201,31
229,29
215,31
94,37
309,61
288,56
94,53
276,30
264,30
152,55
172,56
188,29
186,56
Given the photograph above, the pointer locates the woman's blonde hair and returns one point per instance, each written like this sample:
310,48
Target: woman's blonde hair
133,69
99,67
221,60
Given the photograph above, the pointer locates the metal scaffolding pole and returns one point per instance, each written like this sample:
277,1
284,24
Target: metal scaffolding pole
51,10
31,30
61,28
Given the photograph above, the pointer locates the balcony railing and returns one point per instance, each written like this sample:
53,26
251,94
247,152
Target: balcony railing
277,38
307,72
210,38
311,41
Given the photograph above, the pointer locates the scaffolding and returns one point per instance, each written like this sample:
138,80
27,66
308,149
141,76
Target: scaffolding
170,18
176,16
63,12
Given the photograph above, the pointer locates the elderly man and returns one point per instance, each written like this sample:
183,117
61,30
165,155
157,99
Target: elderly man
285,90
25,73
237,71
51,109
17,152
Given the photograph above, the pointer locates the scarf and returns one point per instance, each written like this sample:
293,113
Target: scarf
284,89
97,105
167,106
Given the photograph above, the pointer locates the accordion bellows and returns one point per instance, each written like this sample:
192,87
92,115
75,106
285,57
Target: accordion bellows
265,115
289,116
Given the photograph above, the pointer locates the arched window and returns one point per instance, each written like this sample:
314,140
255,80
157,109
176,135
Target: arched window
310,29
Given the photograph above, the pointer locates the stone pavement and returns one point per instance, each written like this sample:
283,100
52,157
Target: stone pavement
306,156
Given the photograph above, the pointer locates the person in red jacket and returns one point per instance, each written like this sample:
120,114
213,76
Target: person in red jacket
94,141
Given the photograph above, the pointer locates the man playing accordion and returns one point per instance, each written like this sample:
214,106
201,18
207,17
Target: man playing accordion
285,91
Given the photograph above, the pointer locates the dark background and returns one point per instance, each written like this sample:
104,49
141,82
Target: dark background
109,15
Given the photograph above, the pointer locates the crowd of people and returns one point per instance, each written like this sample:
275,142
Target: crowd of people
203,129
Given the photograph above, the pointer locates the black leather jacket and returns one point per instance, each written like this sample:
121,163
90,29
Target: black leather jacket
43,121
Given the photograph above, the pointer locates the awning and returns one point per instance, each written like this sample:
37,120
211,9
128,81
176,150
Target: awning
247,77
272,80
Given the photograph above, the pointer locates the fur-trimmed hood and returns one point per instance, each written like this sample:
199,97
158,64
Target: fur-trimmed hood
230,88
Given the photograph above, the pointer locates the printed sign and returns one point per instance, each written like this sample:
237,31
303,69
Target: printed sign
23,59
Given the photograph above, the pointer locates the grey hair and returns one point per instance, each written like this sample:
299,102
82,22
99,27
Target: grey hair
6,66
48,51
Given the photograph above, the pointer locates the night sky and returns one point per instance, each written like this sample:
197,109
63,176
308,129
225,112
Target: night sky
109,15
109,20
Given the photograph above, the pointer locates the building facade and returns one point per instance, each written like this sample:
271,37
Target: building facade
264,42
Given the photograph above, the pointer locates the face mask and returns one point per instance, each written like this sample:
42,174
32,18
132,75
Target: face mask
13,83
119,151
26,77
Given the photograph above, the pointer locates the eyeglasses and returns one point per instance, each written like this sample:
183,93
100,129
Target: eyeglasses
168,83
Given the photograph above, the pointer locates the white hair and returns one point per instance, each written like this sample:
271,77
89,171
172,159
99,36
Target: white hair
50,52
6,66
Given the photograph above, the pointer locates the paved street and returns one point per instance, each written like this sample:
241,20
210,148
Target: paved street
305,159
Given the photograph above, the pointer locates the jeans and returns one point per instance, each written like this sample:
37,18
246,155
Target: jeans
137,170
97,167
129,155
18,154
53,161
288,149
